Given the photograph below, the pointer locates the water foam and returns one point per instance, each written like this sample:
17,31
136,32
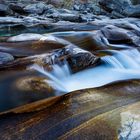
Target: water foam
121,65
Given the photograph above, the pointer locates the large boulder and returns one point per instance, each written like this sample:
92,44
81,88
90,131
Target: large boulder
25,37
80,59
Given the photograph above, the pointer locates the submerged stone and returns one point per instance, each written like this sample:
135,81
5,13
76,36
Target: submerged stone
29,83
21,87
5,58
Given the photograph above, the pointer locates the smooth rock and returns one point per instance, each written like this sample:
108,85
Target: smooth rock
25,37
101,113
20,87
33,83
5,58
80,59
113,33
69,17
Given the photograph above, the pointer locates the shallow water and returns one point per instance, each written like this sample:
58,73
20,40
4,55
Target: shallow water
16,89
118,66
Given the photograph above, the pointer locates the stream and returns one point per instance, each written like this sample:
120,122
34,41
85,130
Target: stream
119,66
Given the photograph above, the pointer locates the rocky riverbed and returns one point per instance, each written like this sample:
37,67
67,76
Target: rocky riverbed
69,69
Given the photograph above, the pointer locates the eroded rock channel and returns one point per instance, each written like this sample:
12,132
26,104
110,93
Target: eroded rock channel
70,69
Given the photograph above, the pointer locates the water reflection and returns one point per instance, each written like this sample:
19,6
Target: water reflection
130,126
20,88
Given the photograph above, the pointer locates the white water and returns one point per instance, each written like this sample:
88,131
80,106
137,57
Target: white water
122,65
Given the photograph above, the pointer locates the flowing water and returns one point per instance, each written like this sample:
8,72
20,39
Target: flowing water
116,66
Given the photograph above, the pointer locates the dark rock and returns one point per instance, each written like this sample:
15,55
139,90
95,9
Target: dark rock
80,59
31,44
4,10
77,58
33,84
116,35
2,2
18,8
122,7
113,33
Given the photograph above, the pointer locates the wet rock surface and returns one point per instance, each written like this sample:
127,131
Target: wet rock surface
83,35
22,87
96,111
110,8
37,16
5,58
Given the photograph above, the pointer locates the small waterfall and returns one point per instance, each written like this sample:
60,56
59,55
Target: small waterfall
121,65
112,61
56,76
126,58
